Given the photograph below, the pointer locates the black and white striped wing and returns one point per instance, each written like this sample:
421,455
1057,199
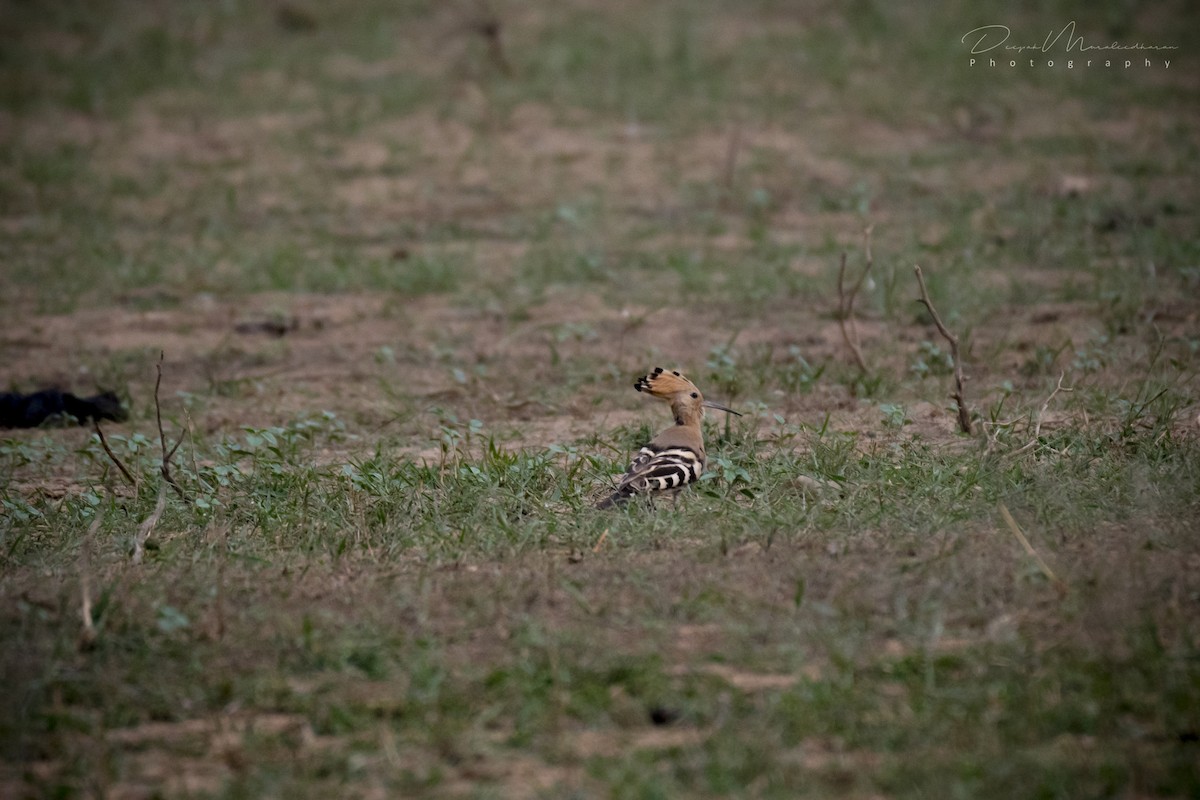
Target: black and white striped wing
656,470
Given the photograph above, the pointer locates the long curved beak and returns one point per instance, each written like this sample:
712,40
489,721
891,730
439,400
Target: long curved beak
719,407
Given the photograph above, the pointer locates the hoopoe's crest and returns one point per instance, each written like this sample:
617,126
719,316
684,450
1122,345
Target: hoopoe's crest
662,383
687,404
675,457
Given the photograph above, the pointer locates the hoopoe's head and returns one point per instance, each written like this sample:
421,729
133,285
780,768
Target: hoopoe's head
687,404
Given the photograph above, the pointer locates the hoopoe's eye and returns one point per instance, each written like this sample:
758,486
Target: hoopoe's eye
695,394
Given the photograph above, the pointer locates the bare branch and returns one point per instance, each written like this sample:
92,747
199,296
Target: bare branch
964,416
104,443
162,438
867,231
843,315
846,302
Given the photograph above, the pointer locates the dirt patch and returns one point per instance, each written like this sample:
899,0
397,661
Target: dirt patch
608,744
746,681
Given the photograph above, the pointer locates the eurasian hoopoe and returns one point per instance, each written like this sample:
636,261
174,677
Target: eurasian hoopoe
675,457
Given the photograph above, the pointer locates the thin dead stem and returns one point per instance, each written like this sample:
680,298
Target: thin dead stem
87,632
104,443
964,415
846,302
1037,428
1045,568
147,528
191,435
162,438
1037,424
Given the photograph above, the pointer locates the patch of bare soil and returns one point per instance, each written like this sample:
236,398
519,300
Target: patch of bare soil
313,346
270,359
747,681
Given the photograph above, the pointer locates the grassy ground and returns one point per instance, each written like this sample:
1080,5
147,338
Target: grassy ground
404,278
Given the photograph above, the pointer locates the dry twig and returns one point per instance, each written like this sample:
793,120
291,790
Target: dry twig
104,443
1037,428
964,416
846,302
1016,531
1037,425
162,438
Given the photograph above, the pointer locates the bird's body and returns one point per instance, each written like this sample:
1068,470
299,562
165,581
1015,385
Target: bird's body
675,457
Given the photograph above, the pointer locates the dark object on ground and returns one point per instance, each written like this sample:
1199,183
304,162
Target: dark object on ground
31,410
661,715
271,327
295,19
